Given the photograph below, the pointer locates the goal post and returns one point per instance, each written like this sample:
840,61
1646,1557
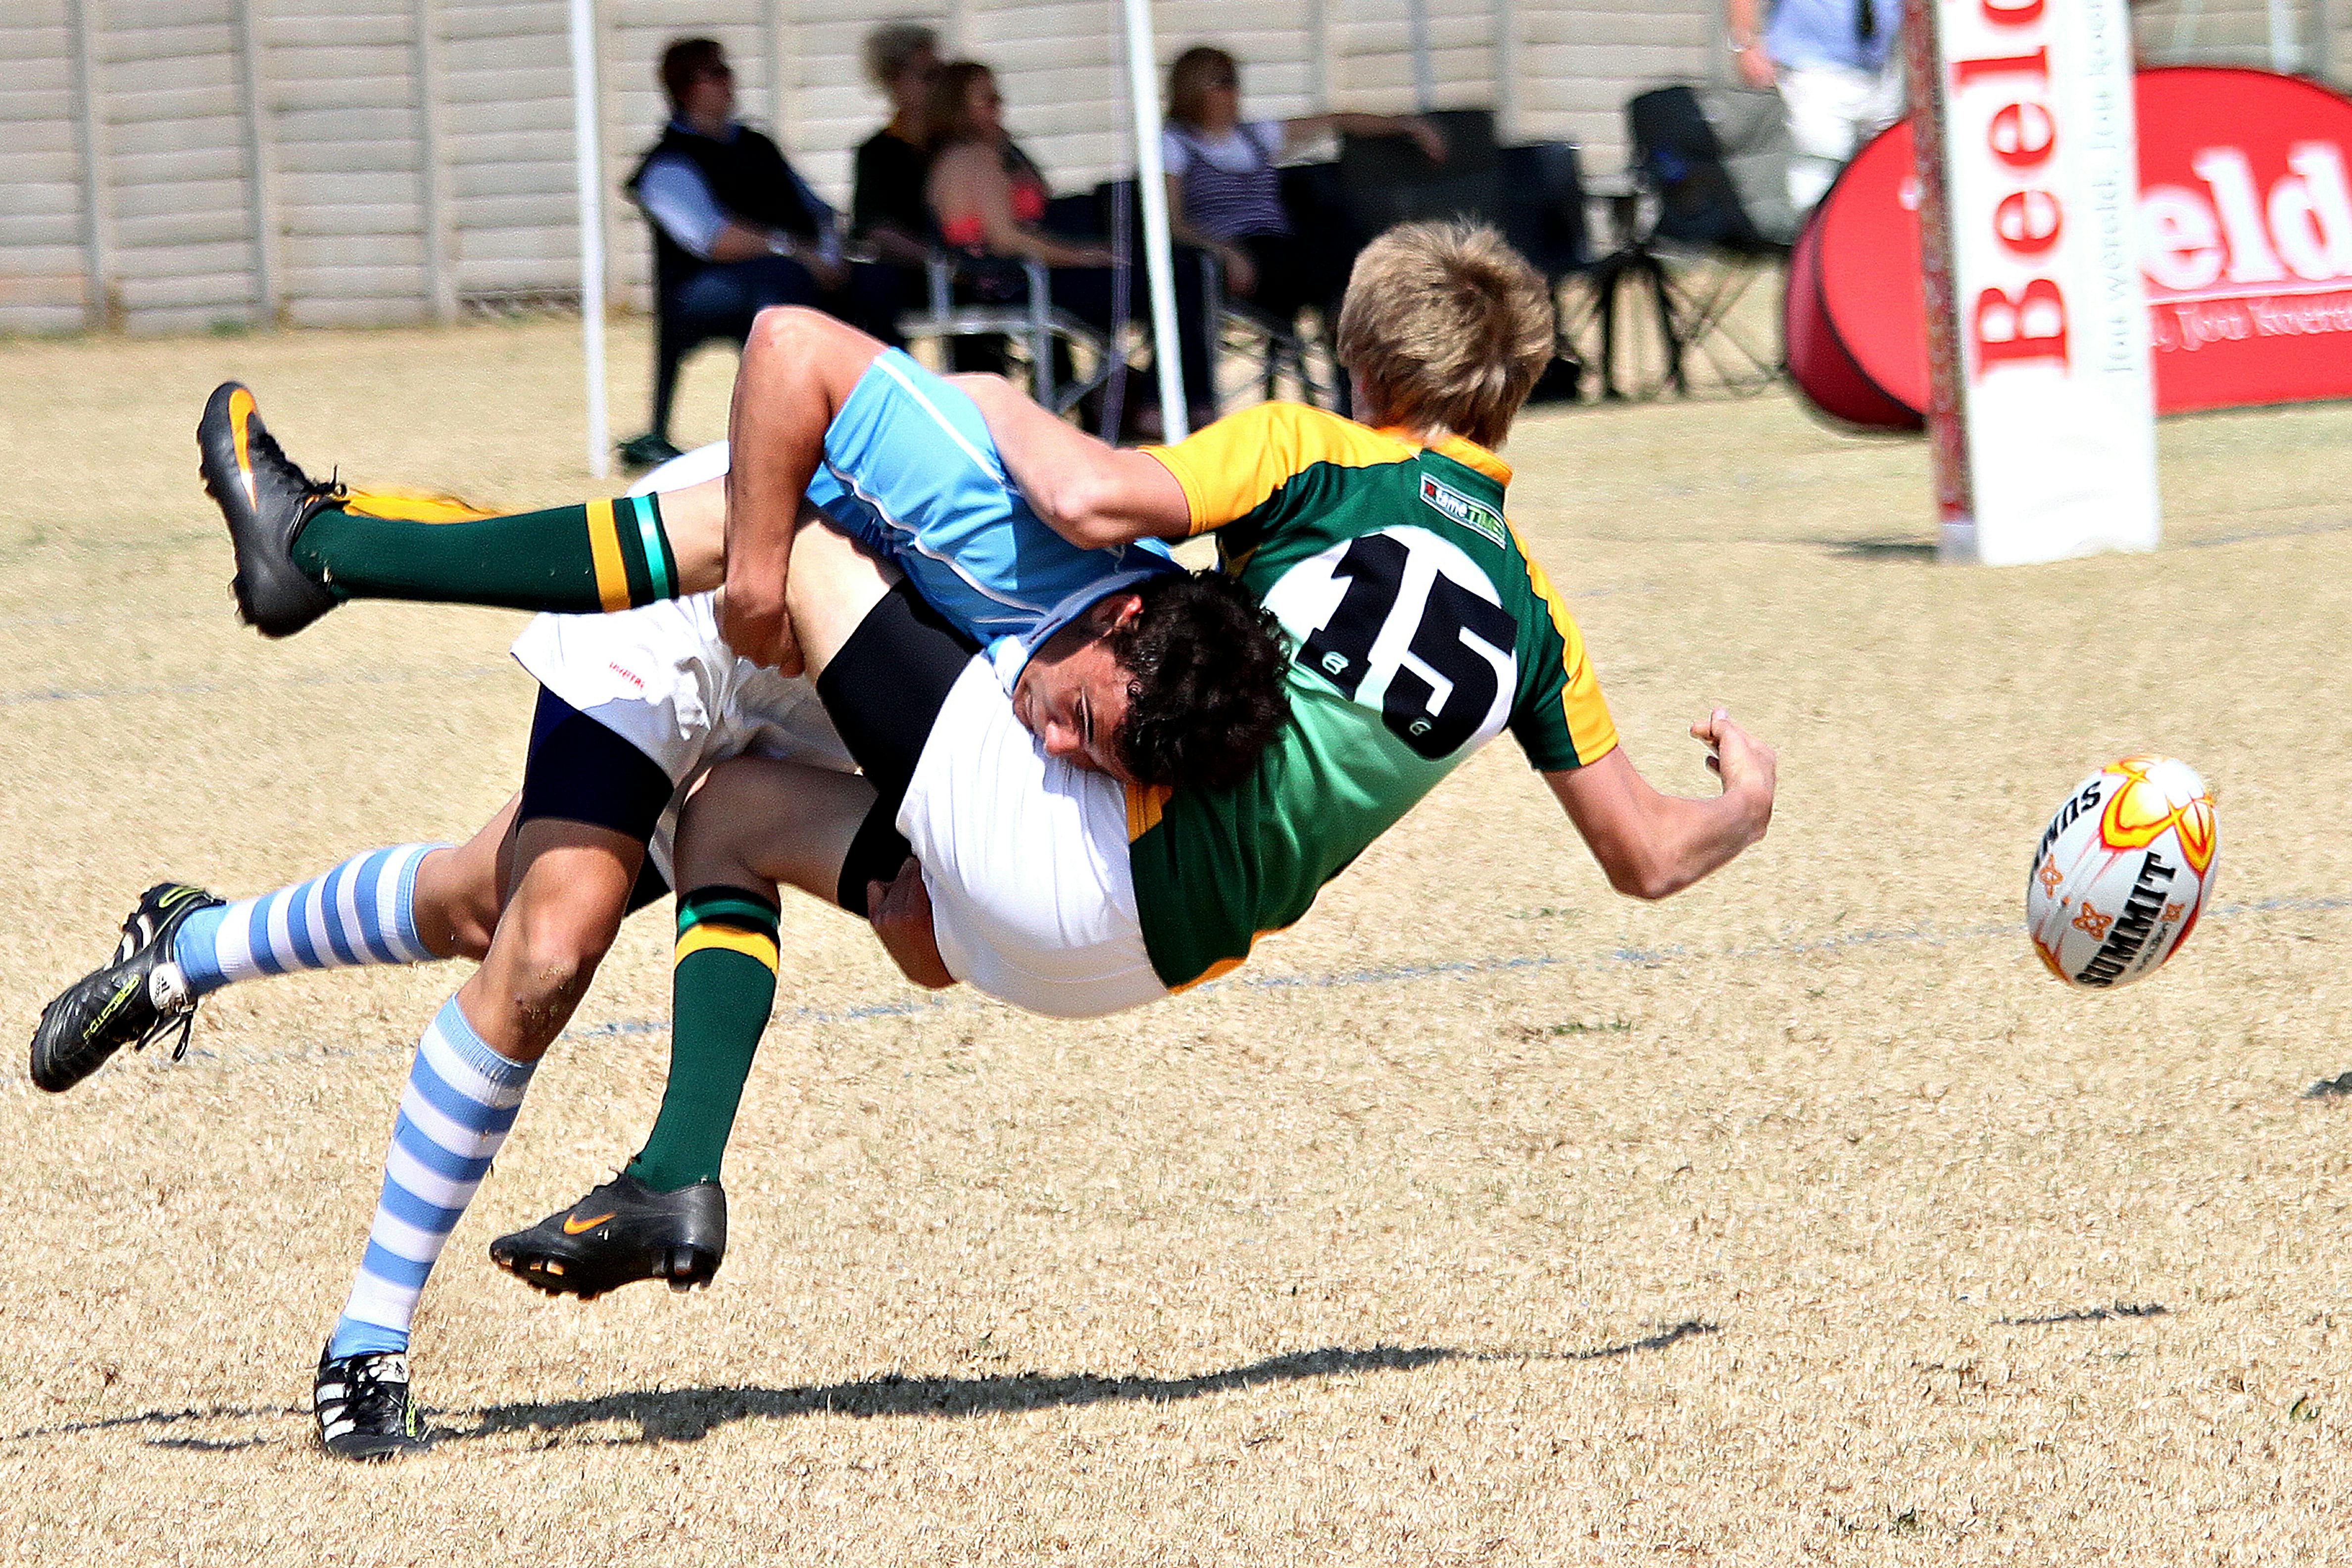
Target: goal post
2042,416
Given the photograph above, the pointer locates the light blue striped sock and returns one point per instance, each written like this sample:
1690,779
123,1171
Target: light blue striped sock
462,1096
362,912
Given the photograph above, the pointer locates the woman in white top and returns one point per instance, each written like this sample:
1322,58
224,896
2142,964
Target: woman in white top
1224,188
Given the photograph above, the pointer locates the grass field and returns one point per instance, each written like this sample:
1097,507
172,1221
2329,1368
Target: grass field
1484,1217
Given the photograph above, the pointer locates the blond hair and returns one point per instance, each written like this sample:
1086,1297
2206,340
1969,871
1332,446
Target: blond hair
892,48
1447,327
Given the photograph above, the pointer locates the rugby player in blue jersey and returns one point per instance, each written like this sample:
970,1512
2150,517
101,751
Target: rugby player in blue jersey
1123,660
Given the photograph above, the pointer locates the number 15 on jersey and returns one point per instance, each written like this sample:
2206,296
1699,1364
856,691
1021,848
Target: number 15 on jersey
1404,623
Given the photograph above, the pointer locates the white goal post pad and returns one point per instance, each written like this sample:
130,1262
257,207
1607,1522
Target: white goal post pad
2043,418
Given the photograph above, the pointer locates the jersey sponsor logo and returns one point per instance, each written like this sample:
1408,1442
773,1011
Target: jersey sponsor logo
1404,623
1455,506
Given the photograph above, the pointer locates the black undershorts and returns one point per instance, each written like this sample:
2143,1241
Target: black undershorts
580,772
883,690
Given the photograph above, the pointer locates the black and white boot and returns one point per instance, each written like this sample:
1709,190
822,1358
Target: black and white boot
133,998
364,1409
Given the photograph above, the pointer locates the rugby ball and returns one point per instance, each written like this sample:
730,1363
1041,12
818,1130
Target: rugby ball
2122,872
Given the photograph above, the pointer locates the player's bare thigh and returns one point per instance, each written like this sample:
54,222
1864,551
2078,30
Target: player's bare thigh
833,582
834,585
764,822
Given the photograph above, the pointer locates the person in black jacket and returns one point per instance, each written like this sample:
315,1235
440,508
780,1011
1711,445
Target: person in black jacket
889,214
735,228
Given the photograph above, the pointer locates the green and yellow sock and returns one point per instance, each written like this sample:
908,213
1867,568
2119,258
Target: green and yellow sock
721,988
573,560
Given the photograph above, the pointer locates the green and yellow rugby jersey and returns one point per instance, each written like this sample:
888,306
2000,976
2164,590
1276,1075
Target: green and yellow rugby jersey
1420,628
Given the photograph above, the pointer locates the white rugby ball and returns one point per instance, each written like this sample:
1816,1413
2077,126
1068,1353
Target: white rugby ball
2122,872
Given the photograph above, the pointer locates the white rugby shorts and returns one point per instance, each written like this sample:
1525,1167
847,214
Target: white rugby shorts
1025,860
1833,111
663,679
1024,856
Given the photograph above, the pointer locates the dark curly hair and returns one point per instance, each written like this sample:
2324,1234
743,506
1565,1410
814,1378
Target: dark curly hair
1204,691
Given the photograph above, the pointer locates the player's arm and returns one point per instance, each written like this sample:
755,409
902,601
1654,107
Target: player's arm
1653,845
900,914
1095,495
798,367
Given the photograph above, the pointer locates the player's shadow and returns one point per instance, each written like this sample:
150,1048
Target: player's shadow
2120,1309
1880,548
154,1420
688,1415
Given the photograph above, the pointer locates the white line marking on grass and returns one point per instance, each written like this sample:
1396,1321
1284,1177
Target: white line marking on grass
1406,973
1383,974
2292,530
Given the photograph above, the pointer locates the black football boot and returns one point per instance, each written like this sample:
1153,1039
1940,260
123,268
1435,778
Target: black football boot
266,499
135,997
619,1233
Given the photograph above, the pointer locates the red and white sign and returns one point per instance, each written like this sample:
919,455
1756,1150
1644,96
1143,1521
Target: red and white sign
2245,252
2245,215
2040,409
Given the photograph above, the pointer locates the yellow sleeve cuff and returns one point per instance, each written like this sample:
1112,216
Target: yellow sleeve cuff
1195,499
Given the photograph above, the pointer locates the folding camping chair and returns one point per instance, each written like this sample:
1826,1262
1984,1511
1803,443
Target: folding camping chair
1031,322
1704,216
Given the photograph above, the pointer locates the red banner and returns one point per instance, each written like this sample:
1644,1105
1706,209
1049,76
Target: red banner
2246,241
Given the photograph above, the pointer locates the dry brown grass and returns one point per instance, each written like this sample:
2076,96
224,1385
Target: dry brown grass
1485,1218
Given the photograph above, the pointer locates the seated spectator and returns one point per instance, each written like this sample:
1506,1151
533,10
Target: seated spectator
989,201
889,214
1224,190
735,228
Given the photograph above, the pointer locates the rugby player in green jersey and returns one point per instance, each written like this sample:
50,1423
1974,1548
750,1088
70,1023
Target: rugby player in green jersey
1419,629
1421,625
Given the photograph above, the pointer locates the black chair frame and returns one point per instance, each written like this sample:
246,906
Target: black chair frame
1687,272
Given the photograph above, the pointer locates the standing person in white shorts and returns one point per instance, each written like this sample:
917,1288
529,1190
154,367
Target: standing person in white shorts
1838,70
